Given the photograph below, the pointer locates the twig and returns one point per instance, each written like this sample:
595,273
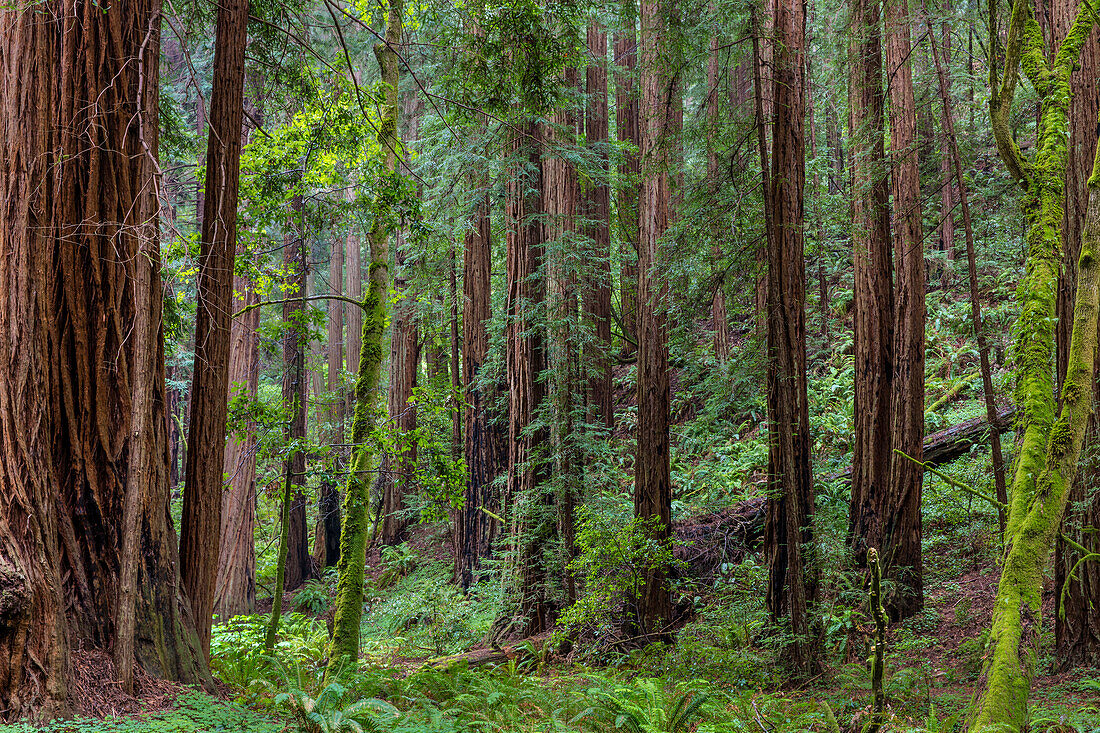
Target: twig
953,482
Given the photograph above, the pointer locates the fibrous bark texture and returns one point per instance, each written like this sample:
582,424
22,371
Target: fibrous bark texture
652,483
475,525
527,498
1076,622
788,533
79,215
200,527
597,214
896,531
235,590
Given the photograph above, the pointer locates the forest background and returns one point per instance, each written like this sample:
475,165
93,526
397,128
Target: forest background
562,365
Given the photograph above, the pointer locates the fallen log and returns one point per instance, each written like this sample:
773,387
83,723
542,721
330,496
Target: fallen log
949,443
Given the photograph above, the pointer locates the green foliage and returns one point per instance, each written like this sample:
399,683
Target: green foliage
191,712
331,711
615,553
314,597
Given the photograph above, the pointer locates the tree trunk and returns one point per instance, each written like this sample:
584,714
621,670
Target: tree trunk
344,648
475,524
947,176
353,288
1076,623
200,526
560,191
719,315
1049,447
628,130
299,563
399,468
788,533
527,497
79,208
235,590
329,501
652,483
597,211
898,534
1000,485
873,295
761,58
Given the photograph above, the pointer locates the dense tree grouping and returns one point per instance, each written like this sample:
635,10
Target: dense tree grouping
292,284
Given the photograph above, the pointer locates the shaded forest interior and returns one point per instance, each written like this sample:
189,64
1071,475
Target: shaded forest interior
660,365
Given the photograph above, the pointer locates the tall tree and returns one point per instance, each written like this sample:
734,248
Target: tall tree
1051,438
527,499
235,589
560,207
79,206
628,131
788,534
353,289
476,526
344,647
896,533
597,215
1076,623
397,476
328,504
652,483
200,526
718,312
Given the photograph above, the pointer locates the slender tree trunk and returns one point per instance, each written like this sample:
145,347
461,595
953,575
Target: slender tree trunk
788,533
404,364
597,212
79,206
900,540
718,313
235,590
353,288
527,499
652,483
975,300
948,196
628,130
354,525
202,493
763,110
294,561
329,501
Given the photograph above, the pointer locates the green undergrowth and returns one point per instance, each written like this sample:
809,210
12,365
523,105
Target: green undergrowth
192,712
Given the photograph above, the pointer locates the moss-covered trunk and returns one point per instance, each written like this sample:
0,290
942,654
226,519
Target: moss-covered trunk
1050,447
344,648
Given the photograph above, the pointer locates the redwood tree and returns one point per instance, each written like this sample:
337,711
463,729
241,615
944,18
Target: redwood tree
527,499
475,524
202,494
628,130
896,531
788,533
1076,583
79,209
652,482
